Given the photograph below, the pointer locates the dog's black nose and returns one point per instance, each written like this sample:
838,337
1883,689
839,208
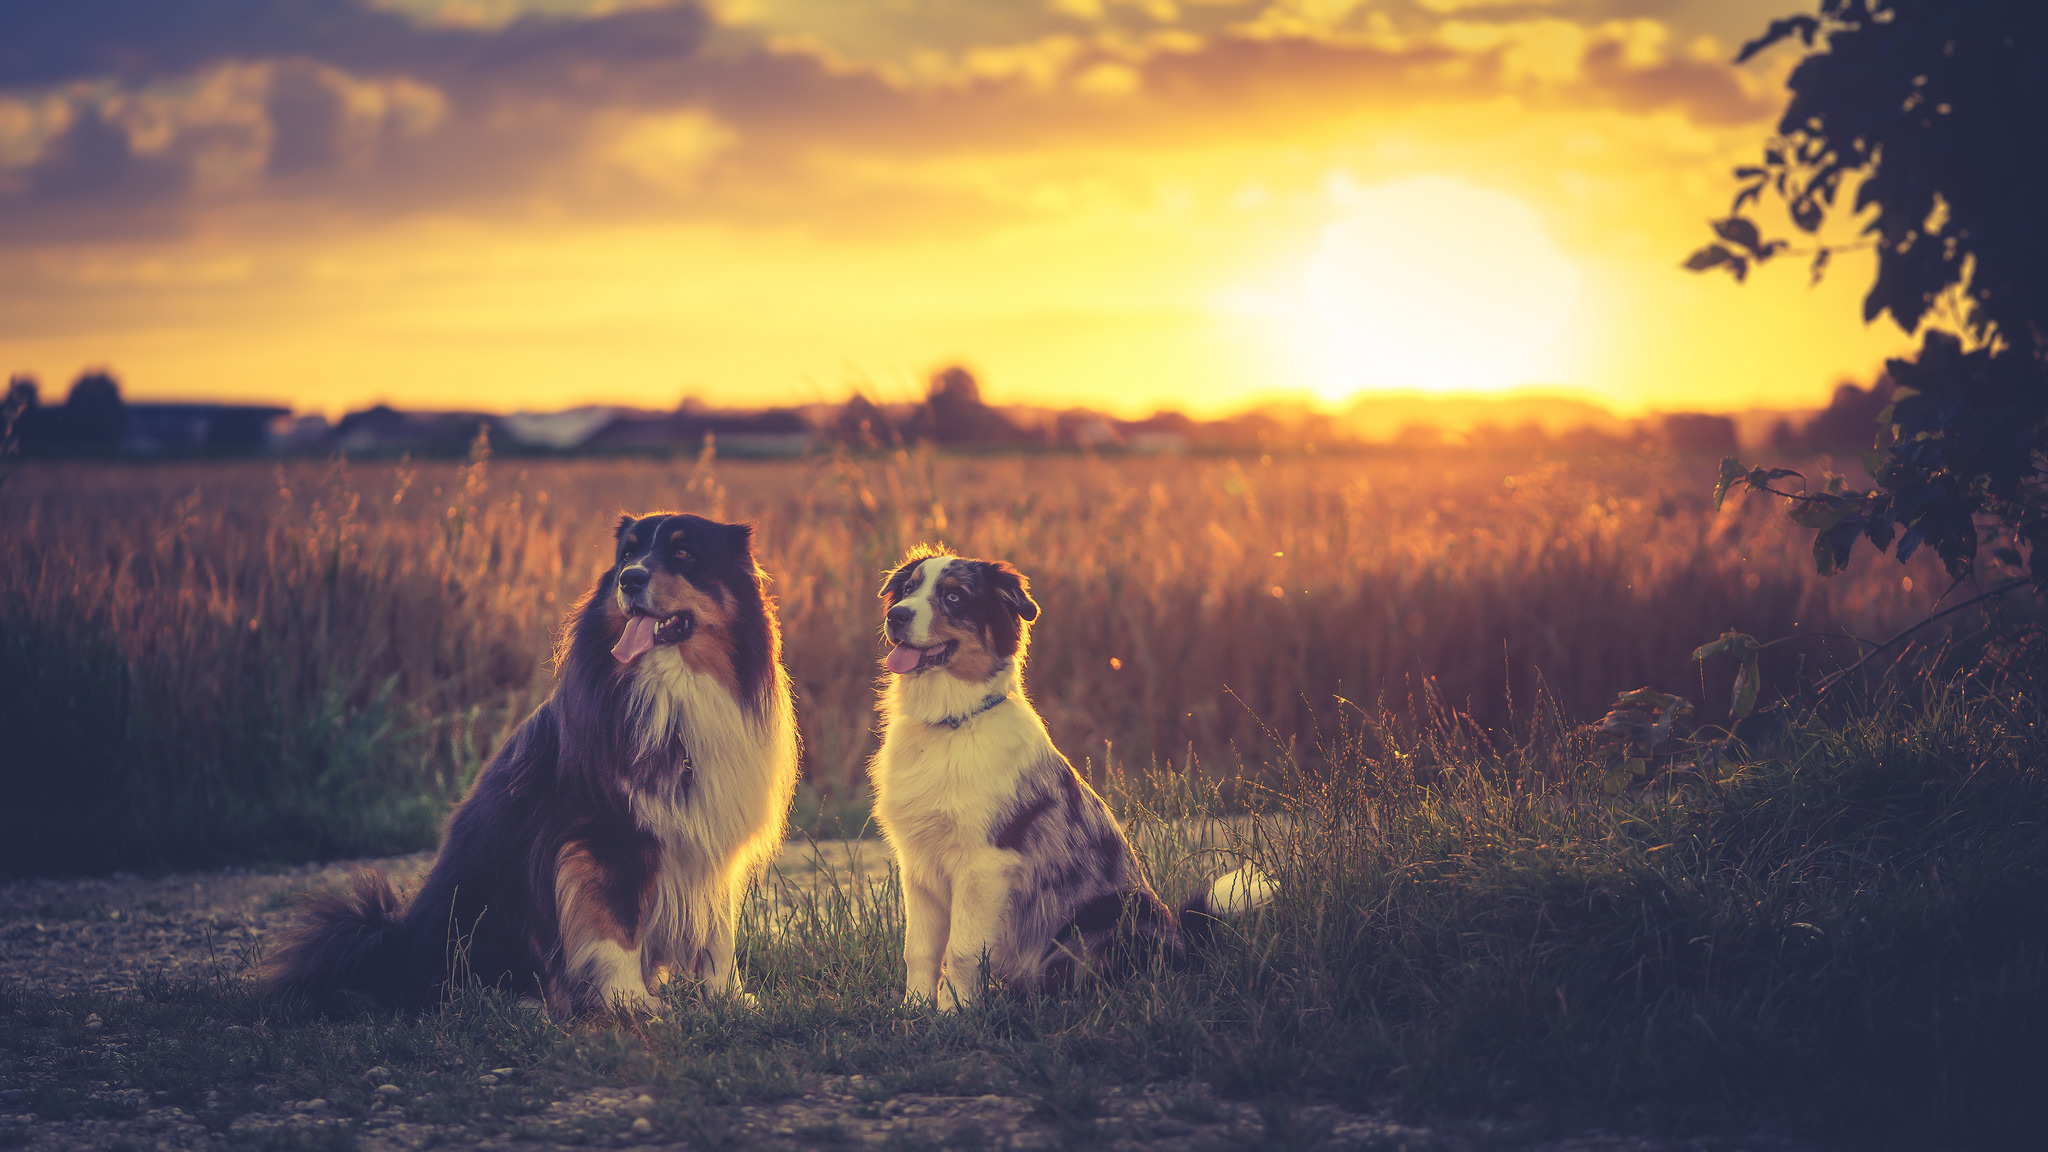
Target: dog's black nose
633,581
901,614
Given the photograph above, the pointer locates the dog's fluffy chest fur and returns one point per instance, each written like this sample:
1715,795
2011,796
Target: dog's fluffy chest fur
709,817
737,761
940,789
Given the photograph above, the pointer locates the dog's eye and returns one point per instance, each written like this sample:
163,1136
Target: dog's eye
682,551
952,597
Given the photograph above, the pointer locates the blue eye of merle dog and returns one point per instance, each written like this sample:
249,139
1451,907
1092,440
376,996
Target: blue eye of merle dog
952,597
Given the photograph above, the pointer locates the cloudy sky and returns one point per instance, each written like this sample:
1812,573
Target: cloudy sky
511,204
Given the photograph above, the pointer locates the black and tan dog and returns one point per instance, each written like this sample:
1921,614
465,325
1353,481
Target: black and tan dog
1005,852
608,844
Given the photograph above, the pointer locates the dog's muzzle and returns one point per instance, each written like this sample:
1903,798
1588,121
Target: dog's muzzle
643,631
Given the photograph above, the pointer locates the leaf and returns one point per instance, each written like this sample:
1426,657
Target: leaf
1831,546
1742,644
1712,256
1714,761
1807,213
1620,776
1626,723
1747,680
1651,698
1739,231
1804,26
1824,559
1820,512
1732,473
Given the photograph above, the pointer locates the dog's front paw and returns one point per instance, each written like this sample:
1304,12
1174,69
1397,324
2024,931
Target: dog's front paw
630,1006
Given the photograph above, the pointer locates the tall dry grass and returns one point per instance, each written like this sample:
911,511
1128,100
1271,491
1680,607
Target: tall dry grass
209,661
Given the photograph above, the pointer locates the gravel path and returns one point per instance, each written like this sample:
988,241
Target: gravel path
110,934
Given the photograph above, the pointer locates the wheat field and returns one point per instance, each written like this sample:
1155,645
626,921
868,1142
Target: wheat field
311,657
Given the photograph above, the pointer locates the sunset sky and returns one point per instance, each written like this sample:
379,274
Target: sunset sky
1124,204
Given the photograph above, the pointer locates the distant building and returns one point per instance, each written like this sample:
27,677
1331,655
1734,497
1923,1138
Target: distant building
1080,428
385,430
187,429
773,432
559,431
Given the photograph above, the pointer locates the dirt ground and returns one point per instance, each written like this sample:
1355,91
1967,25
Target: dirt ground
109,934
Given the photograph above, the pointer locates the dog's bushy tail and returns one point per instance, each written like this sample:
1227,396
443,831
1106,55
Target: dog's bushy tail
1229,896
345,948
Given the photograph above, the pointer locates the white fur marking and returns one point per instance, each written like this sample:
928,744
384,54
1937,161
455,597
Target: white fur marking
719,832
1239,892
921,602
614,973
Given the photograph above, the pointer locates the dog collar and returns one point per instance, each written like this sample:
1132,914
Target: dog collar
956,721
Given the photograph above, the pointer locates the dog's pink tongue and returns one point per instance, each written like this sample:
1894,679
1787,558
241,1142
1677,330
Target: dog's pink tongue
903,659
638,638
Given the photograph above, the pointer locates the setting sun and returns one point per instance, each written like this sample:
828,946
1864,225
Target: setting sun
1437,285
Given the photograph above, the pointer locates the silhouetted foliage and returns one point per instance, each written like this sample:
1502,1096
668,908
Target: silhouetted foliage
91,420
1699,432
862,425
1940,109
953,413
1851,413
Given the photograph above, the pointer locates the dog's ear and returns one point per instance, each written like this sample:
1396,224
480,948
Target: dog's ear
625,521
1015,590
737,538
892,588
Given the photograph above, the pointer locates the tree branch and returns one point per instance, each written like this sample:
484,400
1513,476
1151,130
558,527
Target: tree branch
1837,676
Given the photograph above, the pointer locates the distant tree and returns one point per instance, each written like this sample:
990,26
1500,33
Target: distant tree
1936,113
1850,417
861,424
953,412
1699,432
17,414
92,419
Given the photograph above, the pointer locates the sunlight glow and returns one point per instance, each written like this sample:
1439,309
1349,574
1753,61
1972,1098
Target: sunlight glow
1437,285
